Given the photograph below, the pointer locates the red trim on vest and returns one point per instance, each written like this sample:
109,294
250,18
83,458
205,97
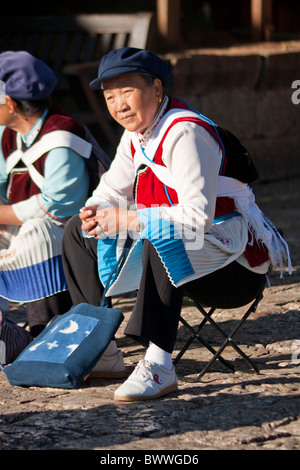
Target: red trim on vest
255,253
151,191
21,185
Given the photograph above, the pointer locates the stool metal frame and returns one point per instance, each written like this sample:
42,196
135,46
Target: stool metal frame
228,338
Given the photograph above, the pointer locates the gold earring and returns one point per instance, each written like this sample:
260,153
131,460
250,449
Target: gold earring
159,100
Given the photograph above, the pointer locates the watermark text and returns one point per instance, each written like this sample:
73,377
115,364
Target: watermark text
296,94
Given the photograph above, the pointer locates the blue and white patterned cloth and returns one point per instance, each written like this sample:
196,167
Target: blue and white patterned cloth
66,351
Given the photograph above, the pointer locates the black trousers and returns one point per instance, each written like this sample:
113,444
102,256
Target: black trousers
40,312
156,312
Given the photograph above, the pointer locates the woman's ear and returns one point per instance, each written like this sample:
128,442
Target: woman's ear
12,105
158,88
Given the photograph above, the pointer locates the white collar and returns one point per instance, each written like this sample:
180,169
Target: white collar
144,138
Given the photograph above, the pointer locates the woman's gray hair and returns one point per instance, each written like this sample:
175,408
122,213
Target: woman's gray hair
148,79
32,107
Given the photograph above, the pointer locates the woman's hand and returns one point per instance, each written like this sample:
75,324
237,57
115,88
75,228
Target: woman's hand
87,215
101,222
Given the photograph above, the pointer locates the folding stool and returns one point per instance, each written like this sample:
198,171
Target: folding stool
228,338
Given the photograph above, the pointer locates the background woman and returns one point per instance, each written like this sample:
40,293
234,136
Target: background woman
43,182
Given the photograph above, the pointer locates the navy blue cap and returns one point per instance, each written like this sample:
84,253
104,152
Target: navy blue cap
26,77
131,60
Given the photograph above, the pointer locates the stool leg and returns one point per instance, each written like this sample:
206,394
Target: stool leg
239,325
211,362
229,339
195,334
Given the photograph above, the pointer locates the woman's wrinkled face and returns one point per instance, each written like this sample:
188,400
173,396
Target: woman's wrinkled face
131,101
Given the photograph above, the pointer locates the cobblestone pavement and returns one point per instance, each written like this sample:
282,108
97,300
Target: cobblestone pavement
222,411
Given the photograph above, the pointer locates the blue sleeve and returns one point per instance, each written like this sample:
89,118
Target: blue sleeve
64,191
66,183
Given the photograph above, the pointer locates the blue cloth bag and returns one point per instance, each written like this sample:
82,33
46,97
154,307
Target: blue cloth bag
66,351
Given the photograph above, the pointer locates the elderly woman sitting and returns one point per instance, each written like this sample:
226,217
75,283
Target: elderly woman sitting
169,188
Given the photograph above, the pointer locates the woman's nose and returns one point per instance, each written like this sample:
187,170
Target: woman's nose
121,104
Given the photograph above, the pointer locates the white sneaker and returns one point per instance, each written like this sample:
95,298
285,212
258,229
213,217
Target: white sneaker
147,381
109,367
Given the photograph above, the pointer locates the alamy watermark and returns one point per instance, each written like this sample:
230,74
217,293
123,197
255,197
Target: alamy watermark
181,227
296,94
2,92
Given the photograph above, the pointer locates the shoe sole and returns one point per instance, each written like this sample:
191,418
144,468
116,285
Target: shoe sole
107,375
171,388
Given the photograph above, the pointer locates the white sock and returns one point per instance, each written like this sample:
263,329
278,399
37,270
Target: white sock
159,356
111,349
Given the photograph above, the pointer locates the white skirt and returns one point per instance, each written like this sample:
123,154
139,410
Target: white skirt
30,260
222,245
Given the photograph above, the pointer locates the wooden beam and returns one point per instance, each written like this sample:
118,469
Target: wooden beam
261,19
168,22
